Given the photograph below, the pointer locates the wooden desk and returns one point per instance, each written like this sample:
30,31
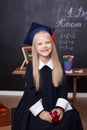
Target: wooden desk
76,72
19,71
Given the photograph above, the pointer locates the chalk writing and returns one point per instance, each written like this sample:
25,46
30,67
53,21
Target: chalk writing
66,44
66,48
65,23
72,13
68,27
65,40
79,13
67,35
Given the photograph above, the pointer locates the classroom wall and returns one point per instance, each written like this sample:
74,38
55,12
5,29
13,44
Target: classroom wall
68,17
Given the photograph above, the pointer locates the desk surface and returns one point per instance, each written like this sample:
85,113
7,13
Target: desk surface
78,72
75,71
19,71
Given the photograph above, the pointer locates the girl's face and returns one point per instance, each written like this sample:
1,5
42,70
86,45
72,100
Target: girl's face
43,45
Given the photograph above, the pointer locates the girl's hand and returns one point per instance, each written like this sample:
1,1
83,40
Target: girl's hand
44,115
60,112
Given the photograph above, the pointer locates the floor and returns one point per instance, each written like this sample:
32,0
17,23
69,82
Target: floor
12,101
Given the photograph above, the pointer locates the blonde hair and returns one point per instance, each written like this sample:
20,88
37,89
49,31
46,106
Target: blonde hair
57,69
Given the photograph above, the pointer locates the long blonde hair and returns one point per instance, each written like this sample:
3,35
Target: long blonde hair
57,69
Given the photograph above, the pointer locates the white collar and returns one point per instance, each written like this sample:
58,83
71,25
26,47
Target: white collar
49,64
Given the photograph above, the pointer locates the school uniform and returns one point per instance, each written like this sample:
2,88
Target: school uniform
46,98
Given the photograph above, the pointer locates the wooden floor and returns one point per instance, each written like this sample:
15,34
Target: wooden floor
12,101
82,108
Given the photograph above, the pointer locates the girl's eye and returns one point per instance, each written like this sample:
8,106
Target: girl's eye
39,43
48,42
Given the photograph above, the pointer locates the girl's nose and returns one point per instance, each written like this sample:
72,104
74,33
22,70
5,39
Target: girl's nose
44,44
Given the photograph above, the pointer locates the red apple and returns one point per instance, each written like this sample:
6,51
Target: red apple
55,117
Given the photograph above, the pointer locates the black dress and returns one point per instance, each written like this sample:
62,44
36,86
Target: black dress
25,120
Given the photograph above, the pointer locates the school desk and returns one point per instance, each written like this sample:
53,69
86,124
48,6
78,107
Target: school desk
76,72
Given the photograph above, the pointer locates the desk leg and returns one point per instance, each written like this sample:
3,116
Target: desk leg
74,91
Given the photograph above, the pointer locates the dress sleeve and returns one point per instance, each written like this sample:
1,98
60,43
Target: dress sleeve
34,97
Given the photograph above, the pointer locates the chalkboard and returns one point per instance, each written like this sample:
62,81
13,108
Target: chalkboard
71,33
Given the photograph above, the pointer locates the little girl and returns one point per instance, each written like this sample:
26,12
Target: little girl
46,87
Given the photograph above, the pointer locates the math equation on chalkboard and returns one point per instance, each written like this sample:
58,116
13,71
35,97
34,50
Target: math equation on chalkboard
69,29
